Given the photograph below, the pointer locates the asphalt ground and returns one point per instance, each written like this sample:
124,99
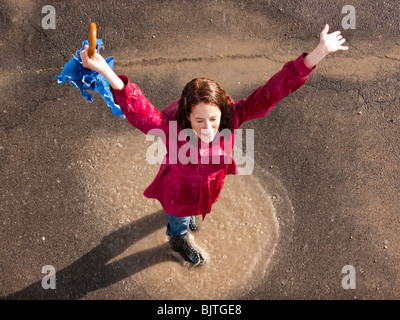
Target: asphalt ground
333,144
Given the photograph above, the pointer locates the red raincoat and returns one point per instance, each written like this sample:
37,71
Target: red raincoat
186,188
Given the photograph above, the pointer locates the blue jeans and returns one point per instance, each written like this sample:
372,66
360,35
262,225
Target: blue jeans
178,226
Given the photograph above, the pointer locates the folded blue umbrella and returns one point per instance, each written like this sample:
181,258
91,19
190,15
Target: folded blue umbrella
86,79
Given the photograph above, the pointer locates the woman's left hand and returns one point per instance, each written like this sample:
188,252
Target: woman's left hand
332,42
328,43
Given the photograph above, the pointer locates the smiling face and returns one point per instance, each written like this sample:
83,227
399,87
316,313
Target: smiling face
205,119
204,107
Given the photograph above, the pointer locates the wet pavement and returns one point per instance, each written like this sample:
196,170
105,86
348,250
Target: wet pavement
332,148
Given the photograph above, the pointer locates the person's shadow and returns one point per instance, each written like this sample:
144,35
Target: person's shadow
91,272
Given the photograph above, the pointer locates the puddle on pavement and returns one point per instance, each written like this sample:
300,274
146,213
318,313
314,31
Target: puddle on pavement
240,234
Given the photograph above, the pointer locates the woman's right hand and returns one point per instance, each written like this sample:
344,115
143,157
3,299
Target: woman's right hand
97,64
100,65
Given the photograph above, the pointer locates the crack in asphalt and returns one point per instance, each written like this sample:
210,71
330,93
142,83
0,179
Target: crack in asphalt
164,61
23,118
35,28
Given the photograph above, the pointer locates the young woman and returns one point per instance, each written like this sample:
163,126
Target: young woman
192,174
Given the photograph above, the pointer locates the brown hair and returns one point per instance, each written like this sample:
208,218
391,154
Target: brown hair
207,91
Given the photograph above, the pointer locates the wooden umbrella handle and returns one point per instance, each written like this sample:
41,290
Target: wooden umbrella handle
92,40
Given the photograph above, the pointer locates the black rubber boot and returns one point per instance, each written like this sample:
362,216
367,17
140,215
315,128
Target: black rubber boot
194,223
188,250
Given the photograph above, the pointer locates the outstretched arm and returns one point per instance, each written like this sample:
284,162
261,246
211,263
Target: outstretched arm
99,65
328,43
289,79
136,107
